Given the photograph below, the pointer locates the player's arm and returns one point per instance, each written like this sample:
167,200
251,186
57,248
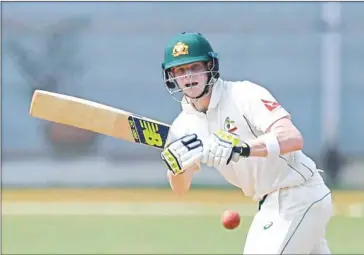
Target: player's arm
182,158
286,134
181,183
264,113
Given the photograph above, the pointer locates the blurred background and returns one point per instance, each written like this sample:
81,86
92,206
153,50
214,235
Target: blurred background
309,55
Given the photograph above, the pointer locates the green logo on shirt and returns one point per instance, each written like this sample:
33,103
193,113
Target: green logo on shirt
268,225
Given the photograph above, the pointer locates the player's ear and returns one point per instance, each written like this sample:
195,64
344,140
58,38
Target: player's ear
209,65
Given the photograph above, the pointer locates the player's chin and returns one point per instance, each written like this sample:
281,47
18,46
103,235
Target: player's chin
193,95
193,92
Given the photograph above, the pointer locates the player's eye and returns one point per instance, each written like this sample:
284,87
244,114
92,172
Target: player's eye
179,72
197,68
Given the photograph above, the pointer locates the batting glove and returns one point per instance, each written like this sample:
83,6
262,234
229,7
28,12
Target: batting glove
220,148
182,153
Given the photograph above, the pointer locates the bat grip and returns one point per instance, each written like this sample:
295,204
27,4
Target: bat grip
236,154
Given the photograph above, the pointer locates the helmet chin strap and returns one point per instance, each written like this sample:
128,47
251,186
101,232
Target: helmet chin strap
205,92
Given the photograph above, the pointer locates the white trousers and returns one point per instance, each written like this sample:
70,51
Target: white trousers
292,221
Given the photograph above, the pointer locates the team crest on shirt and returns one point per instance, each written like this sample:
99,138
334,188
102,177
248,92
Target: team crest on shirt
180,48
229,125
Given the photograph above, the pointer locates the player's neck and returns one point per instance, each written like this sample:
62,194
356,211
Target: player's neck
202,105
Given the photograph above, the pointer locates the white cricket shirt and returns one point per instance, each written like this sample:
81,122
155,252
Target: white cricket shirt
248,110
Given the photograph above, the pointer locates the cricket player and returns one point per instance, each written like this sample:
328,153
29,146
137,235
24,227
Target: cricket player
220,118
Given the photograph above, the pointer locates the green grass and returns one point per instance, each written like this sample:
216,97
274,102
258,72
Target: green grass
87,234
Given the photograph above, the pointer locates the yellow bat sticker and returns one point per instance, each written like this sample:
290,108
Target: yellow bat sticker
148,132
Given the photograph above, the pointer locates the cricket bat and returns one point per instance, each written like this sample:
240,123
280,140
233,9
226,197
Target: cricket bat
100,118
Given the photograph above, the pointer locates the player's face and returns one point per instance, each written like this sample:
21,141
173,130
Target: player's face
191,78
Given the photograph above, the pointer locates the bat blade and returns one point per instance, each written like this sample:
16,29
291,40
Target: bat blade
99,118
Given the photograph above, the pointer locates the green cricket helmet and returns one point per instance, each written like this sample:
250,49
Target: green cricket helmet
187,48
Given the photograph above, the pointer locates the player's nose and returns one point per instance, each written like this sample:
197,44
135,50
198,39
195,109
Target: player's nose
188,74
187,77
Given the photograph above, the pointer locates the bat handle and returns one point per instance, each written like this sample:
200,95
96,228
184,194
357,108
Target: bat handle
236,154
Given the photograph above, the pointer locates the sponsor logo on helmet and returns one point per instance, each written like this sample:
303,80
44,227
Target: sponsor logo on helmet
180,48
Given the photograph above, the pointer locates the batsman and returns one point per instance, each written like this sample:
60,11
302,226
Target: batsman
295,205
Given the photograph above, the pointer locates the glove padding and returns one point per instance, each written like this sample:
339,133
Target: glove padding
219,149
182,153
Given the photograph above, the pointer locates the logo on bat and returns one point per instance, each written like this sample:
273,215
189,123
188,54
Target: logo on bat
133,130
148,132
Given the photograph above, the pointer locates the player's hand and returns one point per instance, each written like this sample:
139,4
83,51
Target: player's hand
182,153
219,149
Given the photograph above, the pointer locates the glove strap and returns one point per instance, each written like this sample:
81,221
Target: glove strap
244,150
171,162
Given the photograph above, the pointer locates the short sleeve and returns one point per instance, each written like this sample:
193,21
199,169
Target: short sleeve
258,105
177,129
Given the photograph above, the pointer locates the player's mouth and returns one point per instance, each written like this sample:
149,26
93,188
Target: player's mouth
189,85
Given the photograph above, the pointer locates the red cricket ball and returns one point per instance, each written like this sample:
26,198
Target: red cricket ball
230,219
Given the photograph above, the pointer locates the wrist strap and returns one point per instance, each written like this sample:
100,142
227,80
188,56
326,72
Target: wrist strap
245,150
272,144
